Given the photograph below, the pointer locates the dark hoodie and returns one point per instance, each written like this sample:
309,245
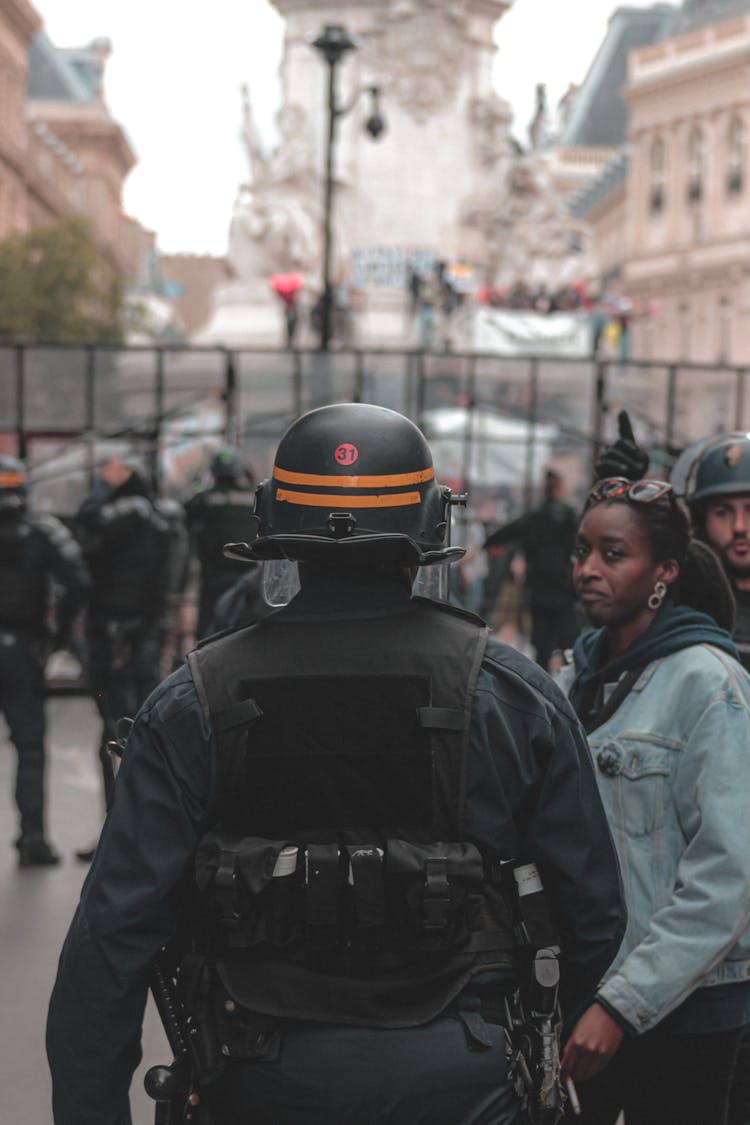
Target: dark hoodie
674,627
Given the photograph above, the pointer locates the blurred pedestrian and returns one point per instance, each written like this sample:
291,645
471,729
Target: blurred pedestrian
468,531
546,535
37,555
666,705
219,515
287,286
174,628
428,305
126,541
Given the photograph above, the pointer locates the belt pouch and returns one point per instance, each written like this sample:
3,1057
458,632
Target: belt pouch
366,879
322,898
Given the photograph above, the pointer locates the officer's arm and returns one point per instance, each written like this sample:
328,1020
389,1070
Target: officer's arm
65,563
532,793
568,835
130,908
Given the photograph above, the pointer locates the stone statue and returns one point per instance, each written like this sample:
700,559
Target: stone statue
274,226
421,50
526,228
490,119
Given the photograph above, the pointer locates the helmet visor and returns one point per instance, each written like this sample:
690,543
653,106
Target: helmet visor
280,581
432,582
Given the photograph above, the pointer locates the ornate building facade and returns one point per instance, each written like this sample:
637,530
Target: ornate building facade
670,215
61,152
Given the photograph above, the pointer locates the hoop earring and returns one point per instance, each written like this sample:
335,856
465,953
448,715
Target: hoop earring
655,599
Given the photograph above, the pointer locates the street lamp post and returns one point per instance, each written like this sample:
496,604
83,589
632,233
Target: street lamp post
333,43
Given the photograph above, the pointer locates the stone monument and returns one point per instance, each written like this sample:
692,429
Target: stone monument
445,181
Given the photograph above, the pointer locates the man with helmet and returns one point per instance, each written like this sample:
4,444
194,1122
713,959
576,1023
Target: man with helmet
321,806
216,516
714,476
36,552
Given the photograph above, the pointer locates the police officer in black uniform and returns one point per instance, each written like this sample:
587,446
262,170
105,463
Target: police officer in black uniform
713,475
35,553
127,544
215,517
323,803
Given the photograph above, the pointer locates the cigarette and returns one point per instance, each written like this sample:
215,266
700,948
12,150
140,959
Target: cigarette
575,1105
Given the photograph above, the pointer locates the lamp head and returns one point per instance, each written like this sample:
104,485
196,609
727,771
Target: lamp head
333,43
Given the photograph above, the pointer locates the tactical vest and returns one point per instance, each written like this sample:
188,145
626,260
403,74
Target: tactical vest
23,582
338,884
131,578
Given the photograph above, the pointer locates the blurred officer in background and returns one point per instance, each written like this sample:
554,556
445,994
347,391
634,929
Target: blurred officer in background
323,803
126,541
178,571
547,535
217,516
35,553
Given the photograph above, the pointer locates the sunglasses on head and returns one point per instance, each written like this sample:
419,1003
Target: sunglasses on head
641,491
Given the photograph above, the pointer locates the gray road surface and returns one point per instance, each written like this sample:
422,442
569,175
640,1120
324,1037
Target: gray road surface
36,906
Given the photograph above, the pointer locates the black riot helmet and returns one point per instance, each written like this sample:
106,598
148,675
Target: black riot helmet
719,466
226,464
12,485
352,484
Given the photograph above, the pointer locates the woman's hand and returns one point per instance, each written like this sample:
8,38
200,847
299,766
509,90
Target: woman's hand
594,1040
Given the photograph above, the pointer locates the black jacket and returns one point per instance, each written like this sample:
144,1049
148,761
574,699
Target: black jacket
547,535
531,793
38,553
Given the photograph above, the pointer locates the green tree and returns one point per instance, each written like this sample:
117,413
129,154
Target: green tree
56,287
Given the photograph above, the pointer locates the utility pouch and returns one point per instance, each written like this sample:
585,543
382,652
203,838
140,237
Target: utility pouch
221,1029
367,911
251,890
323,894
435,895
241,1033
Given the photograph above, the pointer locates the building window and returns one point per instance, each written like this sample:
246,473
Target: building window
695,166
658,176
736,147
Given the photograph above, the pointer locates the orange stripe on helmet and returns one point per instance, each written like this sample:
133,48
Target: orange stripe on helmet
394,480
334,501
11,480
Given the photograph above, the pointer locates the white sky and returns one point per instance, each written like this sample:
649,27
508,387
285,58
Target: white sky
176,68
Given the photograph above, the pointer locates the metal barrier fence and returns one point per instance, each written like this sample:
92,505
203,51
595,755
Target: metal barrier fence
493,421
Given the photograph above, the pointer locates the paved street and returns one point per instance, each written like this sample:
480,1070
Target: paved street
35,908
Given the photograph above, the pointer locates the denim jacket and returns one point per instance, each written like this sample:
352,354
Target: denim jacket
673,767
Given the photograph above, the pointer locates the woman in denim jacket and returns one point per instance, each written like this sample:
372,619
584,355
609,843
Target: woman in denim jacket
667,709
